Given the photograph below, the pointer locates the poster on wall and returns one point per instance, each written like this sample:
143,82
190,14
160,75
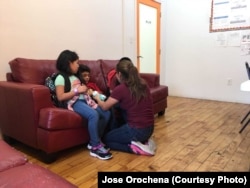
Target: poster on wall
227,15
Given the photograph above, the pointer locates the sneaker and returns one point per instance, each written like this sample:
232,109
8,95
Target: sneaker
100,152
151,144
141,150
106,147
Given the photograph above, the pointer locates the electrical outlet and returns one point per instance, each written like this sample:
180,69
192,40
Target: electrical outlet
229,81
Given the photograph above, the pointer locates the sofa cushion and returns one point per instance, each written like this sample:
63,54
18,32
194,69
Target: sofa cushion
59,119
9,157
32,175
32,71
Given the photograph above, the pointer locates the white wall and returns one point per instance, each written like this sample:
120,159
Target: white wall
191,65
43,28
195,67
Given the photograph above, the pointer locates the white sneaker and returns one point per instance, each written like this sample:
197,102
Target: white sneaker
151,143
144,147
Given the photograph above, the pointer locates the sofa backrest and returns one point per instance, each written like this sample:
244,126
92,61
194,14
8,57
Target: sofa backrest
35,71
32,71
107,66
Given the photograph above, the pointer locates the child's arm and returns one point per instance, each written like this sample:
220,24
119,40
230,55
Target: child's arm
94,87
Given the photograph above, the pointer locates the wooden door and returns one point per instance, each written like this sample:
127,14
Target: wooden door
148,36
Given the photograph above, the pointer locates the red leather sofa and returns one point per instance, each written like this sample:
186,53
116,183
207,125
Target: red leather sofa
27,113
17,171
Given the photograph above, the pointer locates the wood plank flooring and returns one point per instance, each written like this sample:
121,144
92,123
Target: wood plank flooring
194,135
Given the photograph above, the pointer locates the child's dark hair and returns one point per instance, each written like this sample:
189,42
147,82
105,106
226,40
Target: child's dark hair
64,59
82,68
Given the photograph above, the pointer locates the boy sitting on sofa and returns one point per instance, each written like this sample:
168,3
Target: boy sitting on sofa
93,89
84,75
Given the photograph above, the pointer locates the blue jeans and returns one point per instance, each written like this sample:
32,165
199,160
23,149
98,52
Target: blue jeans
120,138
97,120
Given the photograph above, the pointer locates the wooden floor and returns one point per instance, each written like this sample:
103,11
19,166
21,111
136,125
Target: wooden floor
193,135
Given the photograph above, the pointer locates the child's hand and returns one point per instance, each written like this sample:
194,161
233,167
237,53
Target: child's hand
90,91
82,89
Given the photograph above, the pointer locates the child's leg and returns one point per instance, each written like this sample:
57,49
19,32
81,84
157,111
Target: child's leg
92,116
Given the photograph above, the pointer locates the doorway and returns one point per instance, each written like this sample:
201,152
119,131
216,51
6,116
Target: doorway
148,36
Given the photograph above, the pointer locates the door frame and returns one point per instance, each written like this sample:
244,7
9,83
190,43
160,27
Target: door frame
157,6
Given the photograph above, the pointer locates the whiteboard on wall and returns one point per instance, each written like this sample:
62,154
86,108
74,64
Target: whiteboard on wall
229,15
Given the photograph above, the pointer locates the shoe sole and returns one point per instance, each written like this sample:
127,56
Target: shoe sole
97,156
139,151
142,148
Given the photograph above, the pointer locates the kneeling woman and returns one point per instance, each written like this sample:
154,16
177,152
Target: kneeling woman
134,98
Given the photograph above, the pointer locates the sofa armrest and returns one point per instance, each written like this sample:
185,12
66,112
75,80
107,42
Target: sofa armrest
20,106
152,79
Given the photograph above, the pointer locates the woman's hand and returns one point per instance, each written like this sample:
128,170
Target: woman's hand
96,96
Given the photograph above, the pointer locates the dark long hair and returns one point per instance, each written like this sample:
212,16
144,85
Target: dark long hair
64,59
131,77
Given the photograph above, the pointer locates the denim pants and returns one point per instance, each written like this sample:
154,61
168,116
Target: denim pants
120,138
97,120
